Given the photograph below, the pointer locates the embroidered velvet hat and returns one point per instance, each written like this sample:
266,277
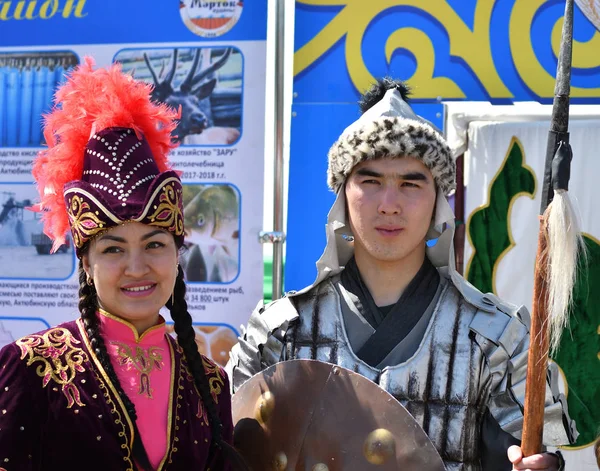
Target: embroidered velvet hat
106,161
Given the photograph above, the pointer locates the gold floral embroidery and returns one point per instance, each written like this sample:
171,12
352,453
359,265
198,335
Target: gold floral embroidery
168,212
215,382
61,360
86,224
145,361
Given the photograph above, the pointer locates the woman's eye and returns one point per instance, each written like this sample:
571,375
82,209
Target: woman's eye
155,245
112,249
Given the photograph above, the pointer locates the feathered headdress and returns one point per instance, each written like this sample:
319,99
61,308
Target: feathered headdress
106,161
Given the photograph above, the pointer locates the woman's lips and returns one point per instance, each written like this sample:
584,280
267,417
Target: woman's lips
138,290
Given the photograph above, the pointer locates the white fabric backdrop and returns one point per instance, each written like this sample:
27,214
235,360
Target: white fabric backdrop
487,143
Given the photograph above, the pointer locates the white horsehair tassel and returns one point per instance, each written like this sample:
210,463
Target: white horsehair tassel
566,254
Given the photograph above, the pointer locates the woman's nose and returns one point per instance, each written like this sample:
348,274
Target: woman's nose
136,264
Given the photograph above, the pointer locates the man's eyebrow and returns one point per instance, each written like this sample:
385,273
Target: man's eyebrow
411,176
365,172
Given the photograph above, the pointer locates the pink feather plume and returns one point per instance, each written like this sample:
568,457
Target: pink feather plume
90,101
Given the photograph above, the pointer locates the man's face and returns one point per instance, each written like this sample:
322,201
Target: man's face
390,207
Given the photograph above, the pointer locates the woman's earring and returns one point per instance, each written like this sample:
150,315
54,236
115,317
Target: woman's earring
173,293
89,280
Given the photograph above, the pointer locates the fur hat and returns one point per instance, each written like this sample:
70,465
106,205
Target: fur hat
388,127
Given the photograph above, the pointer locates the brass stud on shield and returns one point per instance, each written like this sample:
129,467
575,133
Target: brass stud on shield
264,407
320,467
379,446
280,461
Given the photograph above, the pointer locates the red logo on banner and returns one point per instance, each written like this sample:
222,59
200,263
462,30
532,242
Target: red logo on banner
210,18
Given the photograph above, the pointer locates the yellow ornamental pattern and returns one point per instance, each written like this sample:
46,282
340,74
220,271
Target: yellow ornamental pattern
472,46
58,358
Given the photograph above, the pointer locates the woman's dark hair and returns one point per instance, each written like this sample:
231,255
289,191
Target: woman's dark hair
186,337
88,305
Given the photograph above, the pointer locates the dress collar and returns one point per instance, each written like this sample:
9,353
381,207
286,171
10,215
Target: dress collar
115,328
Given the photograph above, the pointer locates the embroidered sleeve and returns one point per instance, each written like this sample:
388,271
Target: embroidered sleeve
21,404
57,358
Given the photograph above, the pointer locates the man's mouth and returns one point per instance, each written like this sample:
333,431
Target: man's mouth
389,230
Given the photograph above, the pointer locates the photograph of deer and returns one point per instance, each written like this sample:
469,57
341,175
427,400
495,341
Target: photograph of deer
206,83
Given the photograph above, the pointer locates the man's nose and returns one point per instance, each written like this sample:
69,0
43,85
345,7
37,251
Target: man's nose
390,201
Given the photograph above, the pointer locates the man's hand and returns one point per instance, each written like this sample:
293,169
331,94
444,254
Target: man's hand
544,461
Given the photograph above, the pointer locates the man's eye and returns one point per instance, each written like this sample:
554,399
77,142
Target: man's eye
410,185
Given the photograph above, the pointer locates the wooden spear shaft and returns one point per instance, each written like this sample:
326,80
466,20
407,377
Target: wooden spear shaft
535,389
535,386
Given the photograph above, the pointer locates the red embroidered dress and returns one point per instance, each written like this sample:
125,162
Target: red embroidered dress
59,411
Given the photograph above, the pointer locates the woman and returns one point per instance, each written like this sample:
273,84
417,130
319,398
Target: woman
112,390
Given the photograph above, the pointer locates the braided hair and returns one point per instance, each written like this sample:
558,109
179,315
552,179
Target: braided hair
88,305
186,338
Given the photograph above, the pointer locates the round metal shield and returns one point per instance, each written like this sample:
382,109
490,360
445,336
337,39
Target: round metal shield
314,416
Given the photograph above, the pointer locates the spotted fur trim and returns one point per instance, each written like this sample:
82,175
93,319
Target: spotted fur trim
388,137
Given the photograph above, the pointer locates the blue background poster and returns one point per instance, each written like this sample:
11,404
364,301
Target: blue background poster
211,57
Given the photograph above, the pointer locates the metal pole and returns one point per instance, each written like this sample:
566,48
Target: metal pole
278,167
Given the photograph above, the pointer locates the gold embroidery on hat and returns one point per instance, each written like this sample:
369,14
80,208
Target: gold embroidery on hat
86,224
168,213
60,360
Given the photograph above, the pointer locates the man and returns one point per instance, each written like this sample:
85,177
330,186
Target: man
391,308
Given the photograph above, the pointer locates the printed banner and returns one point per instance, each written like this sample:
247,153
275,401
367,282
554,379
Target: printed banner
504,167
206,58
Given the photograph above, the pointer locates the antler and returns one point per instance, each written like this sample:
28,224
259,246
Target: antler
163,89
188,83
149,65
213,67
